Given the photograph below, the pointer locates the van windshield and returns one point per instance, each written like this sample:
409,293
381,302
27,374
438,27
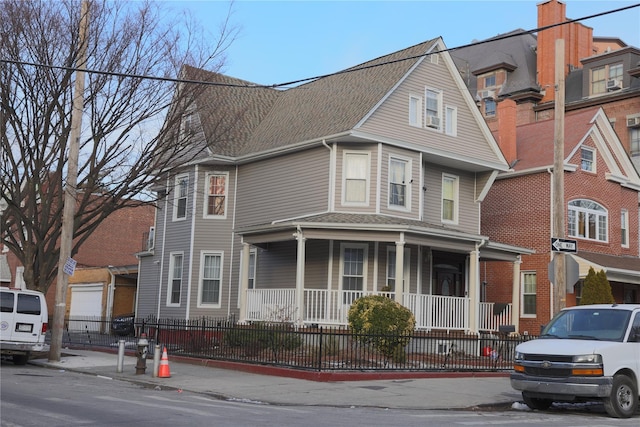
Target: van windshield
600,324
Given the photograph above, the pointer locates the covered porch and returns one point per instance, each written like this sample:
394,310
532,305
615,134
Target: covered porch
327,307
323,266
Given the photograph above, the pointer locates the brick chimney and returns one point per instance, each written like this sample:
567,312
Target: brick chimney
578,42
507,129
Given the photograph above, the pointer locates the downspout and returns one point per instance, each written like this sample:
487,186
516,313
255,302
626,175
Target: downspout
332,176
551,234
164,245
110,292
231,258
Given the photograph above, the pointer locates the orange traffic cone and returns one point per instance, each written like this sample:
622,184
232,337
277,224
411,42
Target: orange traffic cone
163,369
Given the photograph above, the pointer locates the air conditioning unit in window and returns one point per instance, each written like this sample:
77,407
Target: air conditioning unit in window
633,122
487,94
613,84
151,239
433,122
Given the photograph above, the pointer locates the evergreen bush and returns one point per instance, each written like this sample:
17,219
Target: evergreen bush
596,289
383,323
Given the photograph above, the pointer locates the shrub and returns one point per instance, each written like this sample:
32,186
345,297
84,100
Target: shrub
383,323
596,289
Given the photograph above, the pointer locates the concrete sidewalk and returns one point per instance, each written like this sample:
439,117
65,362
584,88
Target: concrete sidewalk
435,391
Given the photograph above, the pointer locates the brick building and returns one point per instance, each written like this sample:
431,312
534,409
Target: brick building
601,189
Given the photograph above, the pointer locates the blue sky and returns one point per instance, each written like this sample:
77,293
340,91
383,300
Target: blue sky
283,41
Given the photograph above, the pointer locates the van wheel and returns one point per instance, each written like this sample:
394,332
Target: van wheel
20,359
623,401
536,402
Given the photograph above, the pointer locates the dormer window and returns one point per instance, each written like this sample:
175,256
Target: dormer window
606,78
490,81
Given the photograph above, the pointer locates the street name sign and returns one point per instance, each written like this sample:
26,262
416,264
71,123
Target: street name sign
563,245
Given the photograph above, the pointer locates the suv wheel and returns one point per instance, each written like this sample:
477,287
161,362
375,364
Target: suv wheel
623,401
20,359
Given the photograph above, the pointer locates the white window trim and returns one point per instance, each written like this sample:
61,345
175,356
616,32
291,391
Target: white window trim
205,203
456,200
408,169
440,107
593,162
367,184
203,254
365,262
418,113
454,120
176,197
624,225
170,278
604,212
522,313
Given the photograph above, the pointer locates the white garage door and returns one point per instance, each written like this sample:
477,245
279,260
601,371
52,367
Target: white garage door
86,307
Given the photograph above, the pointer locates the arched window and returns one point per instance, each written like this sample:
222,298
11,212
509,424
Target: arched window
588,220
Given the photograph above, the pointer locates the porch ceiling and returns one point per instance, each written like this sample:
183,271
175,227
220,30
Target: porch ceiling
378,228
618,268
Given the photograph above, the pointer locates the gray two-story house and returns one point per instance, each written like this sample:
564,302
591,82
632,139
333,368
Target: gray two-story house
370,180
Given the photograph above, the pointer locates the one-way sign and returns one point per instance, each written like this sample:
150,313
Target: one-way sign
563,245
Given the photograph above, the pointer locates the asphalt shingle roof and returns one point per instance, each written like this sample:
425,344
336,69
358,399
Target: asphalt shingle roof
257,119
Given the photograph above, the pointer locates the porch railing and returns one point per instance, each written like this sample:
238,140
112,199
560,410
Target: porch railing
331,307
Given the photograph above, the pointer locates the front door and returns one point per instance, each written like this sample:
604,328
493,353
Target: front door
448,275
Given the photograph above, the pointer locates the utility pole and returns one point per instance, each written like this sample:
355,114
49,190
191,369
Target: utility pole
66,241
560,288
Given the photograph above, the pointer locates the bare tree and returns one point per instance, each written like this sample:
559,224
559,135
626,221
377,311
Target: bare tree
130,137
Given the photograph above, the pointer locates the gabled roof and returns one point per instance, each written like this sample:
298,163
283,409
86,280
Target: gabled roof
535,144
324,107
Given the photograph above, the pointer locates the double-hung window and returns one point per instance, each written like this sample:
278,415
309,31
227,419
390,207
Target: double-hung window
175,279
211,279
529,285
587,220
450,120
489,107
624,228
415,111
449,198
634,142
433,109
398,182
181,189
587,159
354,262
216,194
356,178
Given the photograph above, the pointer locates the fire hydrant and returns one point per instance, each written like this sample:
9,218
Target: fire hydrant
141,353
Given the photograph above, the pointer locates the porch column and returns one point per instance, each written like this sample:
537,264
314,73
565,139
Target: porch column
515,296
474,286
399,291
300,257
244,280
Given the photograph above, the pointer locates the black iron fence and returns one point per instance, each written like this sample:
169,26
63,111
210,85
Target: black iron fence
319,349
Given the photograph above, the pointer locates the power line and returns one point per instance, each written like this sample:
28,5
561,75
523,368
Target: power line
295,82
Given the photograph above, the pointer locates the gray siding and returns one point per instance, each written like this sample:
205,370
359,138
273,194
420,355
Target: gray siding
372,149
215,235
413,182
391,119
283,187
468,210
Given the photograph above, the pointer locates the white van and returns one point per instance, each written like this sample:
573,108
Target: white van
588,352
23,323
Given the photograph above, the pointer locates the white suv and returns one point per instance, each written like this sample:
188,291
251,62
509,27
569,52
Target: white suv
23,323
585,353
